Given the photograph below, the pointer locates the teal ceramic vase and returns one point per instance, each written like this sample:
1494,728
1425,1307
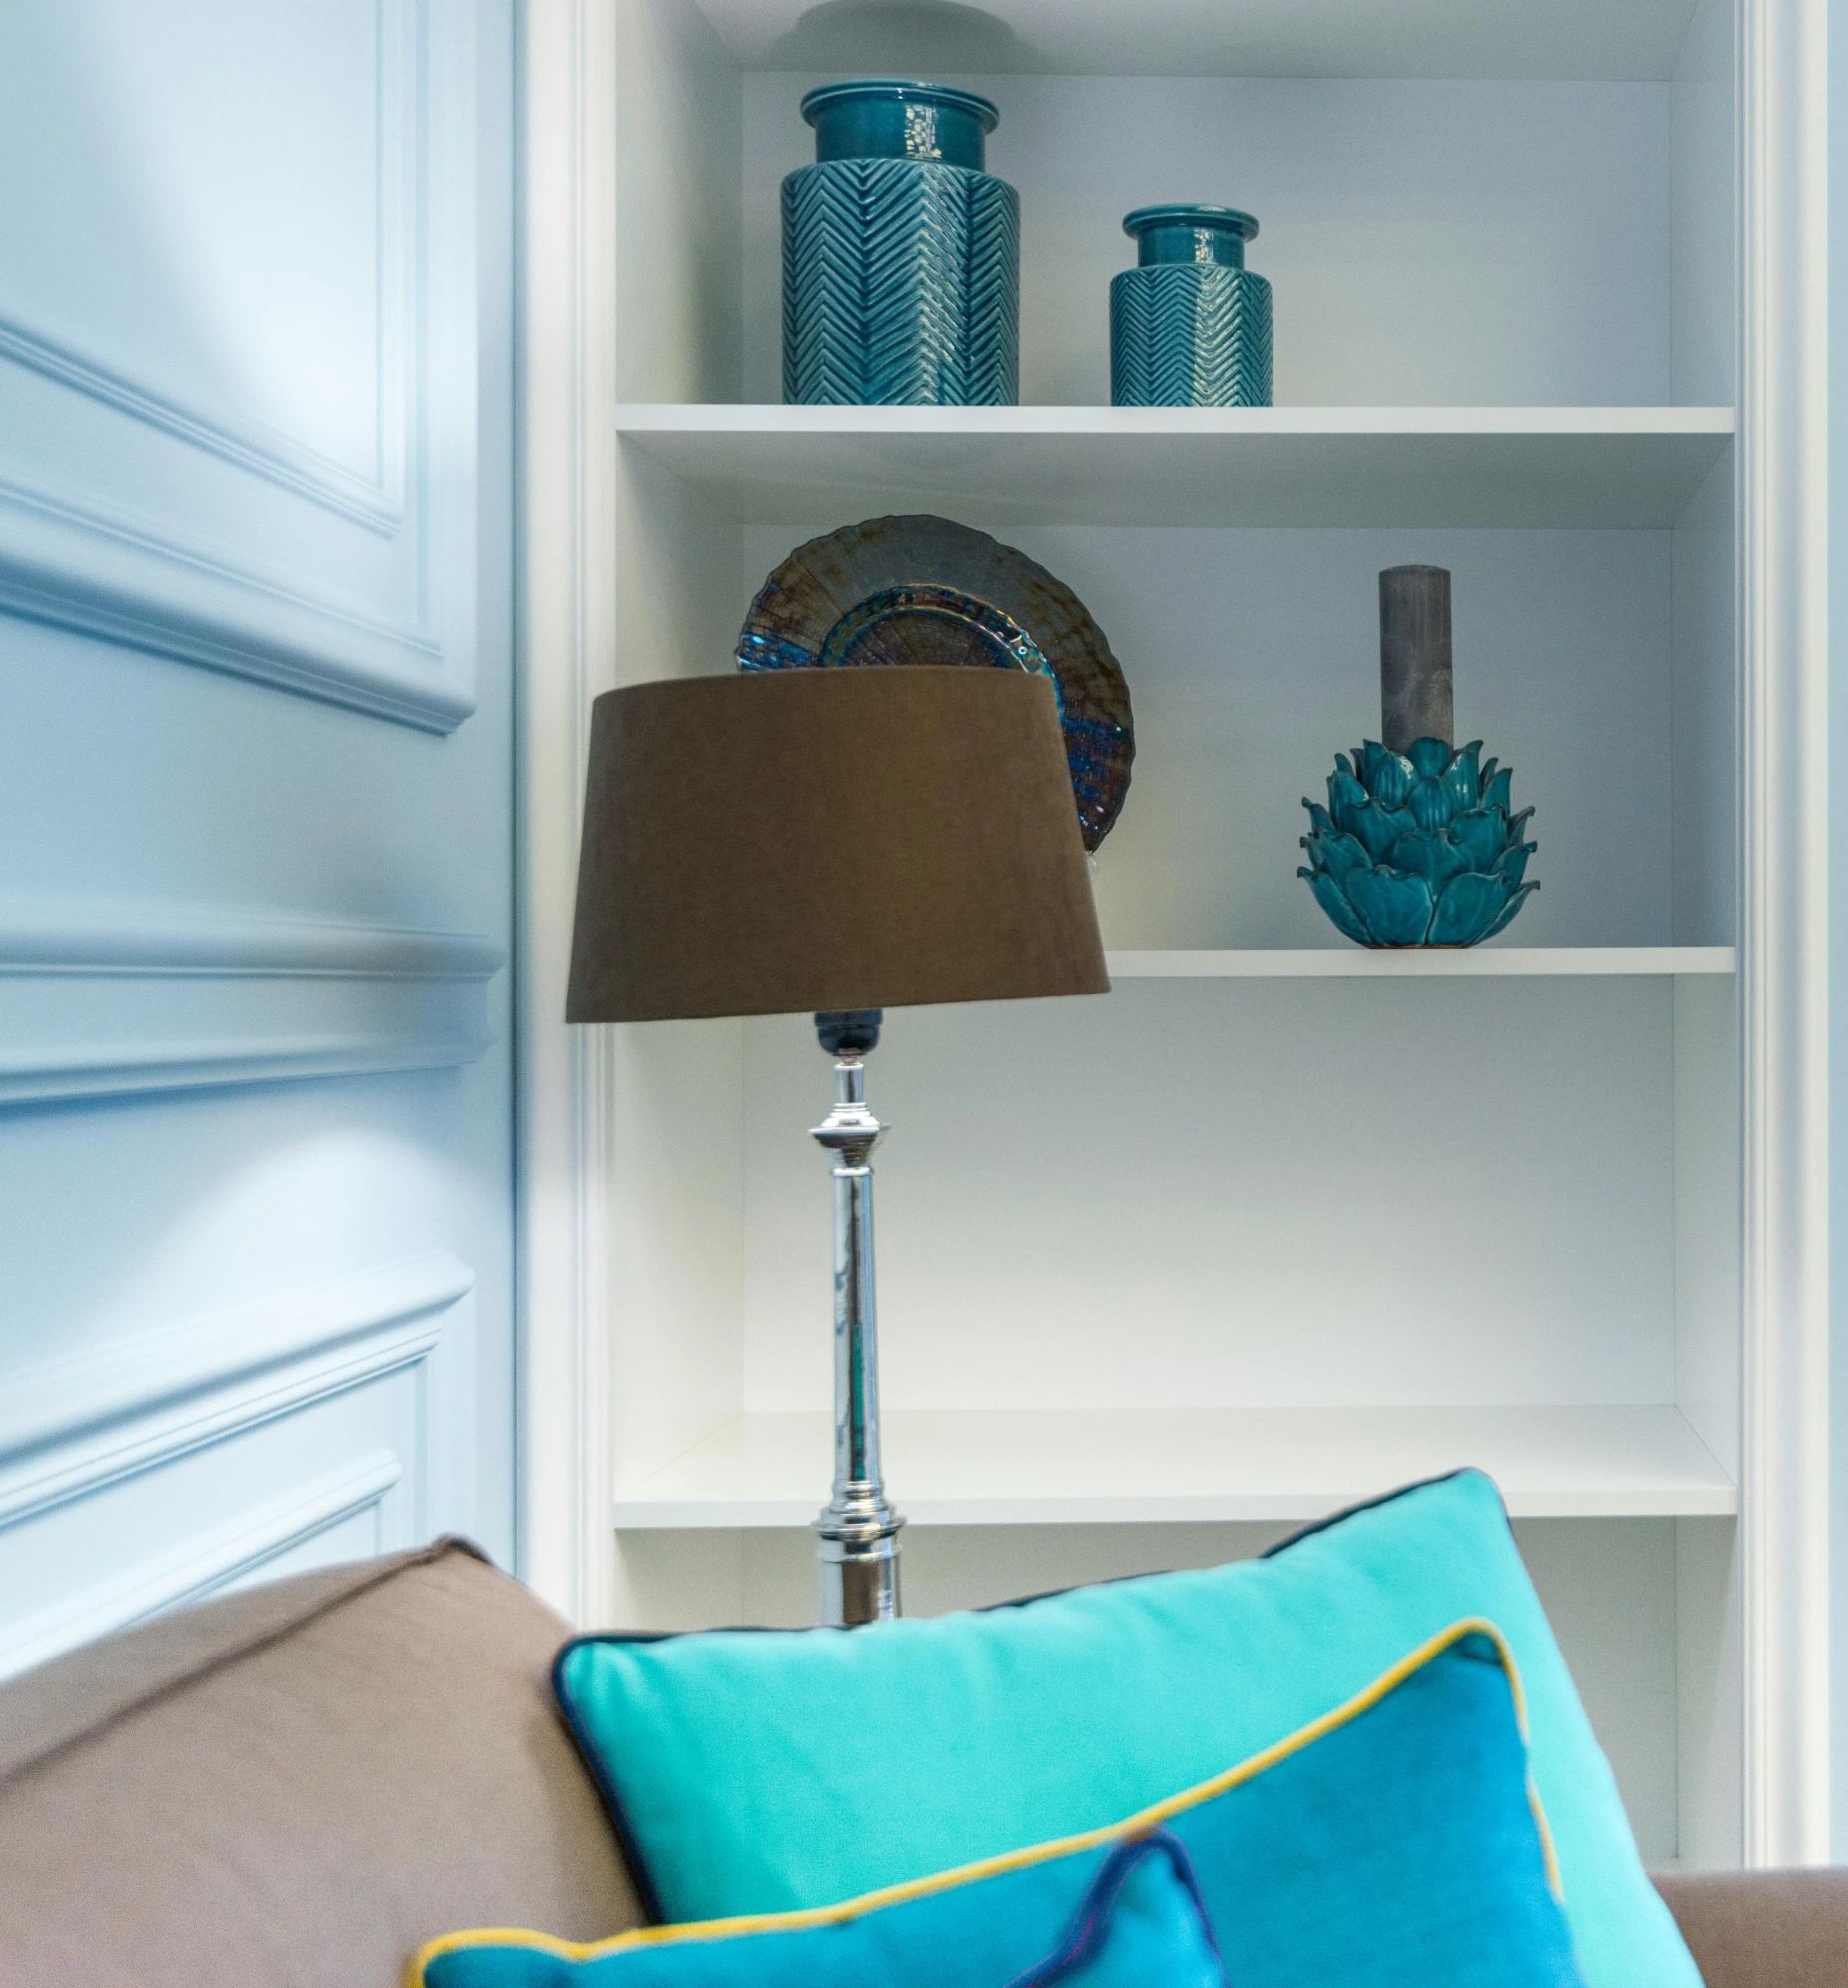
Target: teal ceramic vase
1190,325
900,254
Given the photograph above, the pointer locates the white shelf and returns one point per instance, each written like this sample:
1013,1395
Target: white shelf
1097,1467
1589,40
1414,961
1540,468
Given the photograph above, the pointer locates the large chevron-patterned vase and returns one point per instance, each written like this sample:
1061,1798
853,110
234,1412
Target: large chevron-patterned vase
1191,326
900,254
901,284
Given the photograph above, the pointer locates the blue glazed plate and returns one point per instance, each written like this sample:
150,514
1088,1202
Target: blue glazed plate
895,590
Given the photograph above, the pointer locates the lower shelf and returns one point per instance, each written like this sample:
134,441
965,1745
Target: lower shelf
1154,1465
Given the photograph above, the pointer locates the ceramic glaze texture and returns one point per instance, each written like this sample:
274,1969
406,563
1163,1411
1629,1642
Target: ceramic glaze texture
901,255
1417,847
1190,327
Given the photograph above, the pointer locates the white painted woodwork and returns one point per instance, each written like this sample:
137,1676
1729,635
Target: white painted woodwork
1417,963
565,638
1161,1466
1552,468
105,1001
334,1380
1584,39
1783,986
256,1306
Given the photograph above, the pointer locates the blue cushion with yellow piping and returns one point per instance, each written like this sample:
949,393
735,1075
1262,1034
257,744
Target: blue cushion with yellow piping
753,1771
1140,1924
1398,1840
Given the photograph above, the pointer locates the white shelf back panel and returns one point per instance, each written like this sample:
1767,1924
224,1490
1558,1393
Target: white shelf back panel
1238,1193
1253,657
1587,39
1435,243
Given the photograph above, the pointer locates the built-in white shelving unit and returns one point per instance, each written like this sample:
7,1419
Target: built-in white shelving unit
1278,1224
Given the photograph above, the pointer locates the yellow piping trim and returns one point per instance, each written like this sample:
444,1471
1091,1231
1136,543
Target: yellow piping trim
1011,1860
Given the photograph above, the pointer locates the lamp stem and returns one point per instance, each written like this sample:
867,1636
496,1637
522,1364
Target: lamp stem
857,1533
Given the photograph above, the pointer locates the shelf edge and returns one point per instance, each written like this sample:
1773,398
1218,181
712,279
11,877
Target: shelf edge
1340,962
1286,1508
763,418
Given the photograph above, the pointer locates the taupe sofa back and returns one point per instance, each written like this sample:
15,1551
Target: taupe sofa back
298,1786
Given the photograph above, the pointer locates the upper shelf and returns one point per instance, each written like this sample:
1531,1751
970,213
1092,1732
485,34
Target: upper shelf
1410,962
1576,40
1583,468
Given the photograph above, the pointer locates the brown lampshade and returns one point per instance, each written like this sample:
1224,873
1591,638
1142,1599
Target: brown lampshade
817,840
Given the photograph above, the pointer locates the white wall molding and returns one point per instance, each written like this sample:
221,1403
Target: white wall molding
71,560
114,577
1783,978
76,1425
376,502
203,1565
104,1001
567,646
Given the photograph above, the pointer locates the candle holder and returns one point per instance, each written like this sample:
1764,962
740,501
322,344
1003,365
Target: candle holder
1418,845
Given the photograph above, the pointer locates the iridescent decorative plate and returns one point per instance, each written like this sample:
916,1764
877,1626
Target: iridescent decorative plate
926,590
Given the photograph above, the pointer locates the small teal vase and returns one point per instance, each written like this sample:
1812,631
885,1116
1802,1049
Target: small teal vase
900,254
1190,325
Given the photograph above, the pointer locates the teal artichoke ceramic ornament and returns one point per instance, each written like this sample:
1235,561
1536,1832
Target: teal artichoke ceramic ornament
1419,844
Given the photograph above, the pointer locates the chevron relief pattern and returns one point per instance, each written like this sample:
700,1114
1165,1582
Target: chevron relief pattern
1190,334
901,285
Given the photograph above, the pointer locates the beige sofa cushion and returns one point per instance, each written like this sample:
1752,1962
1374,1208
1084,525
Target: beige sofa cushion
297,1786
1763,1928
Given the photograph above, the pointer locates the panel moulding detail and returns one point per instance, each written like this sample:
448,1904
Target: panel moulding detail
247,445
78,1425
112,577
101,1000
203,1565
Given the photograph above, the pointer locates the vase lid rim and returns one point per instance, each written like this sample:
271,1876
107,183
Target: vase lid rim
905,90
1191,214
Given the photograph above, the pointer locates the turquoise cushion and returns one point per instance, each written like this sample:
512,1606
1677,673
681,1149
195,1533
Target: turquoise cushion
764,1771
1395,1842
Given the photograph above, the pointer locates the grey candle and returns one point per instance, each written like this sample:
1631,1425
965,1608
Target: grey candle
1415,656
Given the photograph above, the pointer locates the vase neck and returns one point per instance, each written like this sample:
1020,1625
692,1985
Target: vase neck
878,119
1190,233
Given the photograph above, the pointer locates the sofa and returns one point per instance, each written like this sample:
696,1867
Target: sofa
298,1784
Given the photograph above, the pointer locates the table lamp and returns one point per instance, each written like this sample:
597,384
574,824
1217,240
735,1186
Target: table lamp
833,842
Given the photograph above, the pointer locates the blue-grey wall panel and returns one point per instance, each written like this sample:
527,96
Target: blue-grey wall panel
256,794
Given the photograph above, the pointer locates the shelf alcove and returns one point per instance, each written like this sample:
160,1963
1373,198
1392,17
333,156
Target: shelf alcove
1278,1223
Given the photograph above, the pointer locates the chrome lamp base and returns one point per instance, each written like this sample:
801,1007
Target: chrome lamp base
857,1531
